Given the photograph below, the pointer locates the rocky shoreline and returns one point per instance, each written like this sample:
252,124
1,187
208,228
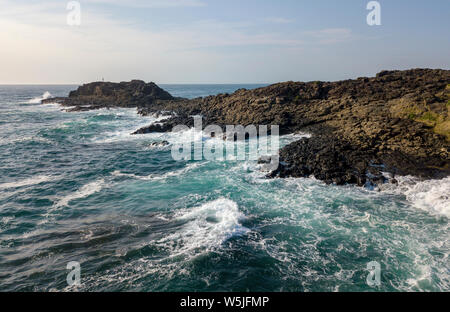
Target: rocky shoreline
397,122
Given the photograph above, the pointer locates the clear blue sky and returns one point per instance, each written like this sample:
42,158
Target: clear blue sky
211,41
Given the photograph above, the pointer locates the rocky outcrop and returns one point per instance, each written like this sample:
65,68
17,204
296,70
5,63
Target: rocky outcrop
335,159
397,122
108,94
159,144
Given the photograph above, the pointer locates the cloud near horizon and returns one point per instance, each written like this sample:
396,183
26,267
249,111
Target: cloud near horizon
153,3
39,47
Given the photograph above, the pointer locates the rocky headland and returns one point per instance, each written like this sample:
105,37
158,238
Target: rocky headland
397,122
96,95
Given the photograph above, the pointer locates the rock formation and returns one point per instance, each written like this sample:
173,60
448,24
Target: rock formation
97,95
396,122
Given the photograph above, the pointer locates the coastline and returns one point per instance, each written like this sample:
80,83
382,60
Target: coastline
118,196
396,122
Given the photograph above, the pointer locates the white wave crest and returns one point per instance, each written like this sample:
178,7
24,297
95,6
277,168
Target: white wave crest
191,135
208,226
6,220
37,100
150,177
26,182
126,126
293,137
430,195
85,191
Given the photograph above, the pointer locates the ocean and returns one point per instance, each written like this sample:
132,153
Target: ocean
77,187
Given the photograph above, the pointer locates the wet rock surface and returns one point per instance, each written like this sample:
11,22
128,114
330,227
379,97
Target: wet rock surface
395,122
159,144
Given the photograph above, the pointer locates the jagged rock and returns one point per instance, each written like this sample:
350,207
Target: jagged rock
399,119
264,160
135,93
160,144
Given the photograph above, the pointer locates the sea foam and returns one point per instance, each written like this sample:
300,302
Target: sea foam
37,100
85,191
207,226
429,195
26,182
151,177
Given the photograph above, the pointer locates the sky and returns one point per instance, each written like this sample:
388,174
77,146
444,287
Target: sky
217,41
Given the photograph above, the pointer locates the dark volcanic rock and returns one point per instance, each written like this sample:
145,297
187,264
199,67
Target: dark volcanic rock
326,158
166,125
398,121
160,144
96,95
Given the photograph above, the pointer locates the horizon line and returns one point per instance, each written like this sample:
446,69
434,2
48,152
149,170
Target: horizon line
158,83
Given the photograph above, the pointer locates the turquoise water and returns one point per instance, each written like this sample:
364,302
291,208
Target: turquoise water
79,187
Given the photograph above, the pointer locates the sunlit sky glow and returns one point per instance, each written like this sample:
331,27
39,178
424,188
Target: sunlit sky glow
212,41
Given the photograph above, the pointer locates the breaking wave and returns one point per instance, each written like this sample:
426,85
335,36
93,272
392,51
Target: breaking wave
429,195
37,100
208,225
85,191
26,182
150,177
